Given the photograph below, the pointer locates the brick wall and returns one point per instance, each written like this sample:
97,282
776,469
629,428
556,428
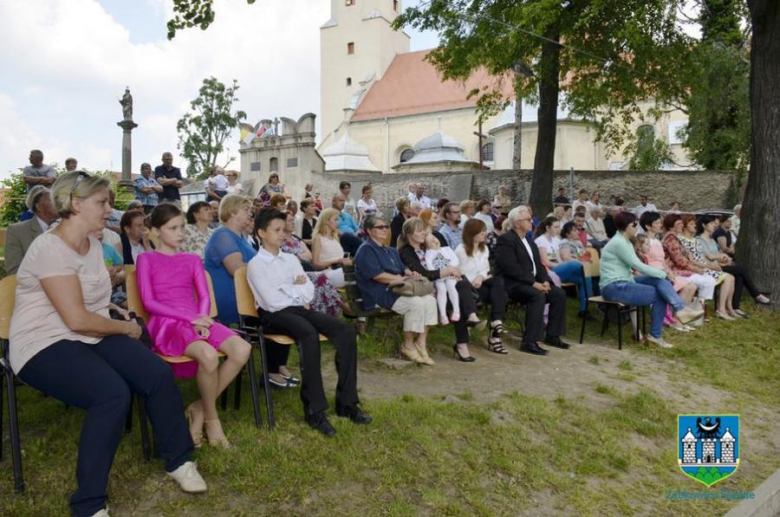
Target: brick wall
693,189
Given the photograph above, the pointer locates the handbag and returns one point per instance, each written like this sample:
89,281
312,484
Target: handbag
415,286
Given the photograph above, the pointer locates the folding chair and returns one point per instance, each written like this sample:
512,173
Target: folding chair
249,323
135,305
7,300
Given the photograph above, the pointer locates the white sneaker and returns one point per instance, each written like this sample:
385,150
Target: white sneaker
659,341
189,479
102,513
688,315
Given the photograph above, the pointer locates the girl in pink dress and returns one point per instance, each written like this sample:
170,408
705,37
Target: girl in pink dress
175,293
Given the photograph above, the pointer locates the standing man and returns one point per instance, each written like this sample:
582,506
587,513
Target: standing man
38,173
147,190
644,206
419,196
71,164
527,281
561,198
114,220
345,188
451,229
170,178
20,235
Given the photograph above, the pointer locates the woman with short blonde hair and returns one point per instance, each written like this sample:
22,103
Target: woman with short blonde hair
231,205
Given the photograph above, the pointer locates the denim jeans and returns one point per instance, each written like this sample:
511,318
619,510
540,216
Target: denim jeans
646,290
572,271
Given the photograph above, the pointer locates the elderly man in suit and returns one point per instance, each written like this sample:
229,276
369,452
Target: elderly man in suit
20,235
527,281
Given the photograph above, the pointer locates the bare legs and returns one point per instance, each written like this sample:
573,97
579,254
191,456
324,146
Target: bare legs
212,380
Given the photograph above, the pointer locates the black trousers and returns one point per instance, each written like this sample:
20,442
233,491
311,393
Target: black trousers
741,280
350,242
534,301
305,326
100,378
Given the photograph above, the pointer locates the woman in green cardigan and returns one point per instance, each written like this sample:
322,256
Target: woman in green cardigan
651,287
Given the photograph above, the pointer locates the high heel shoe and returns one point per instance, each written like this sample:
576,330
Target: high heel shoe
469,359
219,439
196,431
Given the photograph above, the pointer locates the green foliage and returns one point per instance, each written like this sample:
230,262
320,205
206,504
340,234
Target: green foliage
13,199
203,131
192,13
647,152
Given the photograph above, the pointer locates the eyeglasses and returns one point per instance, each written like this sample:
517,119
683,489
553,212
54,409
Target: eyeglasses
81,175
380,227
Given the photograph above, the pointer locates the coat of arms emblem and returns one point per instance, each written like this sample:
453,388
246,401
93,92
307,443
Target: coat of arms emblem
708,446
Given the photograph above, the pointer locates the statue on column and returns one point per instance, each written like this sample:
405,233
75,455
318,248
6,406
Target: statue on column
127,105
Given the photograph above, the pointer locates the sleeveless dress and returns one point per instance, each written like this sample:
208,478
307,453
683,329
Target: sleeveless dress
174,291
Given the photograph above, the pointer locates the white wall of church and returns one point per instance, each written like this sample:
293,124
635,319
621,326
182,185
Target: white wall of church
366,25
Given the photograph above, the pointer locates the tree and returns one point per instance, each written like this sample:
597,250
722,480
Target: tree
192,13
648,152
757,246
606,57
14,199
202,133
718,133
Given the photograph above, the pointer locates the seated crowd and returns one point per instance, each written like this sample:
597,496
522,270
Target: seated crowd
435,263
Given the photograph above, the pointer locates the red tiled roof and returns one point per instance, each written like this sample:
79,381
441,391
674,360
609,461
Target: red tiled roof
412,85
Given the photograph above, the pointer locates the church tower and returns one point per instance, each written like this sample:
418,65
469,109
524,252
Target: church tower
357,45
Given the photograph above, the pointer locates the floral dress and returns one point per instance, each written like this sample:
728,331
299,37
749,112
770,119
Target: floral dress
682,251
326,298
195,241
268,191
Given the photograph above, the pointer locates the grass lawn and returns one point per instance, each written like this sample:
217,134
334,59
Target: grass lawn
603,447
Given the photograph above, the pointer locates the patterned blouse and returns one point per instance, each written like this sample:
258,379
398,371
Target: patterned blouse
195,241
682,252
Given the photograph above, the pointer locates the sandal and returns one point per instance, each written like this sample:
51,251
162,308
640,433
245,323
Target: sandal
497,329
495,345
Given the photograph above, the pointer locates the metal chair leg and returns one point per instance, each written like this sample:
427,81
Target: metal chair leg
620,330
582,329
223,399
269,403
253,385
16,447
605,321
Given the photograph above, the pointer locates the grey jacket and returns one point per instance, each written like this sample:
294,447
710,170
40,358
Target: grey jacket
18,238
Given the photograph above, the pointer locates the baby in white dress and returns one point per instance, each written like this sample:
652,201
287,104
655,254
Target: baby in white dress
437,257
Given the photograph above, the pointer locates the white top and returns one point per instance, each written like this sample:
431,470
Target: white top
639,210
530,253
272,280
111,237
368,207
425,201
593,206
440,258
330,249
474,266
596,228
463,219
298,230
551,247
136,249
235,189
218,182
577,203
36,324
485,218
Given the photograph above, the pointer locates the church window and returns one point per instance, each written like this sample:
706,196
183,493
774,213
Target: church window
274,164
487,152
349,81
349,2
395,5
406,155
350,48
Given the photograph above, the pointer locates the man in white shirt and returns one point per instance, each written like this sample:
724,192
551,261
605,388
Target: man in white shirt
419,196
644,206
283,292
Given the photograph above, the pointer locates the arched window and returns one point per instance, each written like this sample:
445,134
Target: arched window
274,164
487,152
406,155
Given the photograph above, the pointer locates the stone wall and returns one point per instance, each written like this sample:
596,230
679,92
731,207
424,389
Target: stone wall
693,189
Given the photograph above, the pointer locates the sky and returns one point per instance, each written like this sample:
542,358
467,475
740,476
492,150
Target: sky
66,63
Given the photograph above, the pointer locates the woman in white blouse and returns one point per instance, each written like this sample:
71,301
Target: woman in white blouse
326,250
365,204
234,187
473,257
483,214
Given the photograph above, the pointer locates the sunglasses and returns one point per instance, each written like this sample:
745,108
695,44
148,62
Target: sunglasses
380,227
81,175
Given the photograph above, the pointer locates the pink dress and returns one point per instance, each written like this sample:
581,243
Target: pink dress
174,291
657,258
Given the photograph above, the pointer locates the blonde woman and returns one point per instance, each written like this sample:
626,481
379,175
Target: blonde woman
326,250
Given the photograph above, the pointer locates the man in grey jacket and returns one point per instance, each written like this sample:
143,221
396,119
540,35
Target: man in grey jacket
19,236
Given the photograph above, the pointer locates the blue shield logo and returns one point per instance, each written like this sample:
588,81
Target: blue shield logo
708,446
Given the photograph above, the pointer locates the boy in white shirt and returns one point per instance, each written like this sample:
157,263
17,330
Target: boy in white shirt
282,292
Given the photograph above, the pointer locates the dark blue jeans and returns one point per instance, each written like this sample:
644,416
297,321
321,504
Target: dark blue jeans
646,290
100,378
